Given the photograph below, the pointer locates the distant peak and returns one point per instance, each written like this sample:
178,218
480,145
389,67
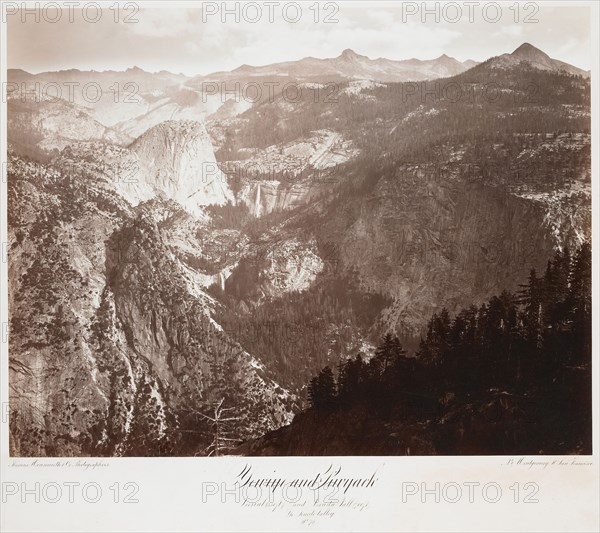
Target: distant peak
348,53
446,59
524,47
527,50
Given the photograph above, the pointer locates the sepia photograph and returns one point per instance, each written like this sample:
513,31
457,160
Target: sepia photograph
322,256
298,229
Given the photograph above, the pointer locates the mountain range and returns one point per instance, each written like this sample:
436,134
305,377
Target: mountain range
350,65
183,249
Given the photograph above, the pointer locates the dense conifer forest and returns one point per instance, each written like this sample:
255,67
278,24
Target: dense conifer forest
510,376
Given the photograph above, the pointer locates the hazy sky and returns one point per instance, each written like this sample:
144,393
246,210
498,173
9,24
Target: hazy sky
184,39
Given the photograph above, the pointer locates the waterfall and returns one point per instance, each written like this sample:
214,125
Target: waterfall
257,203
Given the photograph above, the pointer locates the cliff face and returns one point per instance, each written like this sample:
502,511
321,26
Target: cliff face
109,348
288,175
174,159
177,161
423,240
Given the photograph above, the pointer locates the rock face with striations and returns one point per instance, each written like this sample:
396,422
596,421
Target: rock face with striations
177,160
111,352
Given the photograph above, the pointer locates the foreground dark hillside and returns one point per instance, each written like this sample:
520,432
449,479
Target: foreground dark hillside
510,377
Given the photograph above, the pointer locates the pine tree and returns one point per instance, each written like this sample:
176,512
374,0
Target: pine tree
313,392
580,298
322,391
530,299
387,354
327,388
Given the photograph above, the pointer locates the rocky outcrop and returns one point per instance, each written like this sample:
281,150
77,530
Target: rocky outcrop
173,161
178,162
44,126
109,349
289,175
